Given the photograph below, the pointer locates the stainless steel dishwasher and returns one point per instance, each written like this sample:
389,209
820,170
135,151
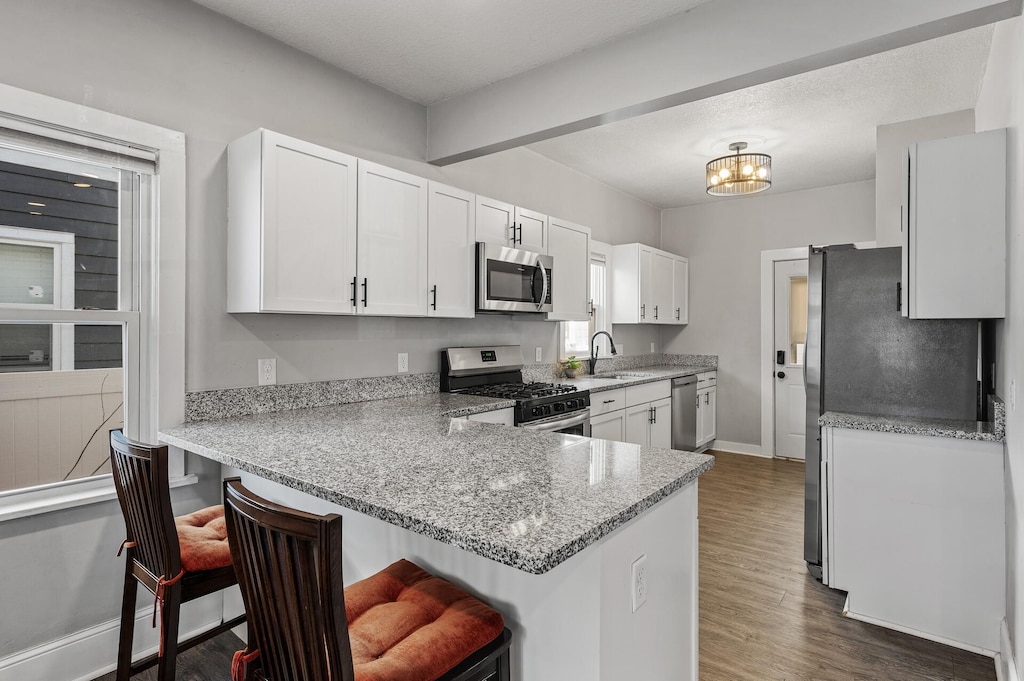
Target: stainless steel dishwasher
684,413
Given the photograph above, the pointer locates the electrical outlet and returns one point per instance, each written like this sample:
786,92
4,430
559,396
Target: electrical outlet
652,347
266,371
638,582
540,354
403,362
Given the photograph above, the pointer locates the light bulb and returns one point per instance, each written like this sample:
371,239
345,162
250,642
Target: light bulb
748,169
724,173
714,179
762,172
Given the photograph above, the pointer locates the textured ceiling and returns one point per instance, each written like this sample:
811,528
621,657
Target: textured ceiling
819,127
428,51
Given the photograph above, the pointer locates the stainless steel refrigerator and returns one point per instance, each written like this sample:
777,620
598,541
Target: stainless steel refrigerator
863,356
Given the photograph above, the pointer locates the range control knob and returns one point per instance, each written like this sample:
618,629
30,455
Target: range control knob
535,412
559,407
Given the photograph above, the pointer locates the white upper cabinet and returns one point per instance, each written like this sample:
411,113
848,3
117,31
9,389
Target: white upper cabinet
531,230
494,222
451,224
569,245
661,309
291,226
392,237
649,286
680,290
954,228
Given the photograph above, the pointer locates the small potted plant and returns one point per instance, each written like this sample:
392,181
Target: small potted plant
570,365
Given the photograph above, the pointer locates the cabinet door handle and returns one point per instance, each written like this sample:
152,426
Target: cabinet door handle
355,287
655,311
365,288
643,310
608,401
513,237
707,397
698,401
899,296
520,234
434,291
677,314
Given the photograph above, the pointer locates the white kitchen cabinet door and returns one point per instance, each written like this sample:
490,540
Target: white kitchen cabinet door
701,410
569,245
532,230
661,427
638,427
708,415
392,254
661,311
680,290
451,238
954,228
291,226
495,221
609,426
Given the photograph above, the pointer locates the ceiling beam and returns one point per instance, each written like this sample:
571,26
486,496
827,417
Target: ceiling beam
718,47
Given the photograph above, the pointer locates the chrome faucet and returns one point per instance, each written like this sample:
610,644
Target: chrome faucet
593,349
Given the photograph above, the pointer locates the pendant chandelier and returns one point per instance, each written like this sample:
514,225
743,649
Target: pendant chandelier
739,173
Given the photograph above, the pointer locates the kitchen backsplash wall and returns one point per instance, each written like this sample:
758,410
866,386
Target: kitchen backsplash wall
217,404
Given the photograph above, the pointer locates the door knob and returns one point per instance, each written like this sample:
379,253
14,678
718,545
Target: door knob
781,374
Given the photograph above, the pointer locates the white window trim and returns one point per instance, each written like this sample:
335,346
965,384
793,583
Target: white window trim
160,366
599,252
62,336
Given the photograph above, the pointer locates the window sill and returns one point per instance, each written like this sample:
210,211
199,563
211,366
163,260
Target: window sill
38,502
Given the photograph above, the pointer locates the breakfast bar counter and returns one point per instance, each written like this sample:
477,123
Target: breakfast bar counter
543,526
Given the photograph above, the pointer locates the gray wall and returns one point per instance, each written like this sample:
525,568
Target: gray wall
175,64
1001,104
723,241
891,142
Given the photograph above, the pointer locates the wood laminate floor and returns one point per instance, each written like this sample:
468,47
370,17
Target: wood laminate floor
762,616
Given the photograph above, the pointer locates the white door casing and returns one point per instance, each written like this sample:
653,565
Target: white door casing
790,396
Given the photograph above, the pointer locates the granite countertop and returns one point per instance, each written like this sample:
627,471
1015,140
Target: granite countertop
526,499
602,381
960,430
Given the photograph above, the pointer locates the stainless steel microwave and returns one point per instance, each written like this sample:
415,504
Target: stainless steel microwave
512,280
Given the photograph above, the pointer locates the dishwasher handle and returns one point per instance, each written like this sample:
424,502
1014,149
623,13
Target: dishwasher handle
685,380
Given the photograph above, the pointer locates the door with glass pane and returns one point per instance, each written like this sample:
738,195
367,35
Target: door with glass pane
790,334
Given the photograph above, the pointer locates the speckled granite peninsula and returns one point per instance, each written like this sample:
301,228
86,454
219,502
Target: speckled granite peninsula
543,526
471,485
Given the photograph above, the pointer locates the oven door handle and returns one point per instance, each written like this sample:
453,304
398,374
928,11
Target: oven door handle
558,424
544,290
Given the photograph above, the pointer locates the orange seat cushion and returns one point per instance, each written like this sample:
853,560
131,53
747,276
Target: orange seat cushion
203,538
405,624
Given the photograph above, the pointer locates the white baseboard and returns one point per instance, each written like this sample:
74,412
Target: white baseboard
1006,665
737,448
92,652
970,647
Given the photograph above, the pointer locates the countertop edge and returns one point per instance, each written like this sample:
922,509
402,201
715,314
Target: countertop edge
950,429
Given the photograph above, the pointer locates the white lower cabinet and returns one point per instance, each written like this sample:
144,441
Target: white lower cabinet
914,531
648,414
609,426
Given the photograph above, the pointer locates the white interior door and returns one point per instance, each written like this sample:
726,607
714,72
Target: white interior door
790,332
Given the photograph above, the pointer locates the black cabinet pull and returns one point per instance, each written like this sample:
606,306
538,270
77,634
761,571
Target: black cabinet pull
899,296
655,311
435,297
513,237
677,314
520,234
355,287
707,397
364,291
643,310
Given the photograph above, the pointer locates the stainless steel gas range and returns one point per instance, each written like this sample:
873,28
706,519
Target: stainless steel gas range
497,371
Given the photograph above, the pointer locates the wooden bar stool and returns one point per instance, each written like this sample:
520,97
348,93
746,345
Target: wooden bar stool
401,624
177,559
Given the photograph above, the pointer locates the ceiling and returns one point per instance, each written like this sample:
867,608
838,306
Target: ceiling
428,51
819,126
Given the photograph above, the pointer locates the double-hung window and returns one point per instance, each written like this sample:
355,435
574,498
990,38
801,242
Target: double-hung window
80,295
